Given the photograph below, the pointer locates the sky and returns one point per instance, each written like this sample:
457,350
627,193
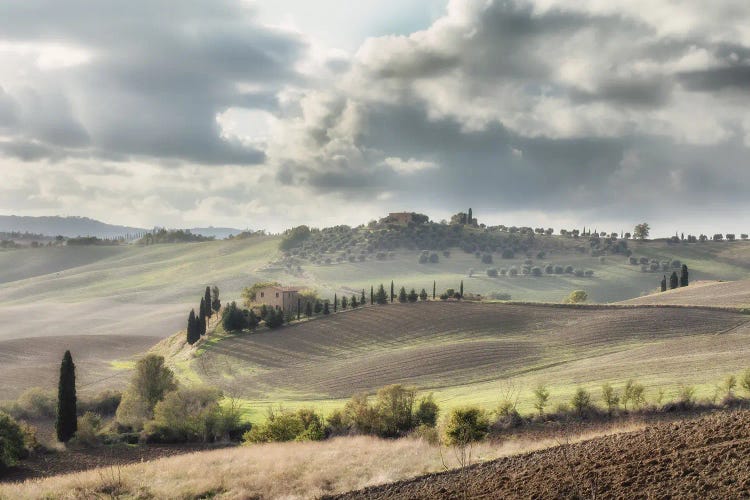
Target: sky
270,114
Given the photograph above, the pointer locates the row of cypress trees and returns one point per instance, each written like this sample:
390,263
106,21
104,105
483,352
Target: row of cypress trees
198,324
674,280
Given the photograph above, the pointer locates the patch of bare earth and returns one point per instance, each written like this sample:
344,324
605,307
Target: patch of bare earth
707,457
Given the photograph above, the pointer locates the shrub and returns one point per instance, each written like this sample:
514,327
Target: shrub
513,271
492,272
576,297
578,273
541,398
89,426
745,380
536,271
466,425
104,403
503,272
633,393
549,269
394,406
434,258
487,258
588,273
581,401
12,446
559,269
35,402
610,398
686,396
233,319
151,381
568,269
427,412
281,426
188,415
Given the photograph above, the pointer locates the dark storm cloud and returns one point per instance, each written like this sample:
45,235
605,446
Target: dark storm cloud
159,74
711,80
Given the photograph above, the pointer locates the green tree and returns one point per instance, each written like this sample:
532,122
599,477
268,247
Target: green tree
66,422
192,328
202,317
466,425
745,380
684,276
423,295
233,320
354,302
461,288
362,298
427,411
392,294
335,302
395,405
207,299
372,295
325,308
610,398
434,287
12,442
402,295
412,297
576,297
380,295
344,302
581,401
541,398
215,300
674,280
308,309
641,231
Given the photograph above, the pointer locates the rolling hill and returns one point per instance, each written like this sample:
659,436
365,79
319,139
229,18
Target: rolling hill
65,226
702,293
472,352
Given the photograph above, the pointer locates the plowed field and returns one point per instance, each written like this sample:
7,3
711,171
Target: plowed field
704,458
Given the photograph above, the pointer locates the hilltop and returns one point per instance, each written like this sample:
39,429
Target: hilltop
70,227
702,293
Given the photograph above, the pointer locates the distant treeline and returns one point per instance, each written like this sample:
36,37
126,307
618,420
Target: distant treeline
162,235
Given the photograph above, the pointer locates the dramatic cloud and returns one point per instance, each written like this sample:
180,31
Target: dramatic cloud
578,109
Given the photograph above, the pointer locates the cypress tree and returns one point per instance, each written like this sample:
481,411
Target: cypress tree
335,302
308,309
325,308
470,218
402,295
664,283
674,280
215,301
193,332
343,302
362,298
434,283
354,302
299,307
207,299
684,276
372,295
461,288
392,294
380,295
66,423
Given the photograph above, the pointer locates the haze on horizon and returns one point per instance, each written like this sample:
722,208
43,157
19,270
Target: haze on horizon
271,114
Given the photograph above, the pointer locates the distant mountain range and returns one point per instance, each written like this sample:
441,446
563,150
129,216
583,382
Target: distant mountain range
83,226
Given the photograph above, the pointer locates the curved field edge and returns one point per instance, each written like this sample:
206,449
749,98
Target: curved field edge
471,353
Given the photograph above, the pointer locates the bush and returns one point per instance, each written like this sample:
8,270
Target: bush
151,381
549,269
466,425
581,401
513,271
568,269
492,272
536,271
12,446
576,297
487,258
282,426
559,269
188,415
633,393
35,402
89,426
427,412
104,403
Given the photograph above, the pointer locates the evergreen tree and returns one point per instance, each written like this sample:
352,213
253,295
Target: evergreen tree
335,302
344,302
461,288
412,297
423,295
664,283
66,423
308,308
372,295
325,308
362,298
299,307
207,298
252,320
215,301
263,311
318,307
354,302
684,276
674,281
434,283
193,328
402,295
380,295
392,294
469,218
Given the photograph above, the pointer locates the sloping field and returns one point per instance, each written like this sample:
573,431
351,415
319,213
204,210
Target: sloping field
465,352
702,293
703,458
36,361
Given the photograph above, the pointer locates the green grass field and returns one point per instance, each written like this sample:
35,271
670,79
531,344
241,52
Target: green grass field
474,353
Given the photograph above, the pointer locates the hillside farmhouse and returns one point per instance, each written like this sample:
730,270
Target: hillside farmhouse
280,297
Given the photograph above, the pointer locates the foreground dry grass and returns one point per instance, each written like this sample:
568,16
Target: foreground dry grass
279,470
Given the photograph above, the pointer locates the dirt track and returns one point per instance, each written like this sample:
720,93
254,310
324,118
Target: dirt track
703,458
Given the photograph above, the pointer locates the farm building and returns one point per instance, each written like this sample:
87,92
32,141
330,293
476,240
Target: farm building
279,297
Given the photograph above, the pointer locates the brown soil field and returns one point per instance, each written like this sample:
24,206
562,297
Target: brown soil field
702,293
703,458
446,344
35,362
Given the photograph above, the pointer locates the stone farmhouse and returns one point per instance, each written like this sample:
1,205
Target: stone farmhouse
280,297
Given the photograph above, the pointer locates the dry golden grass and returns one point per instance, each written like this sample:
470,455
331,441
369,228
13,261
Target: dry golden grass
279,470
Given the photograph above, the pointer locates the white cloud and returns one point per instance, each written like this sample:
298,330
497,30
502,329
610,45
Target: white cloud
408,167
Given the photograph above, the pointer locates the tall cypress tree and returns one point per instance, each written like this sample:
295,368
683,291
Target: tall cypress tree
335,302
202,315
470,218
664,283
684,276
308,309
66,423
461,288
674,281
434,285
372,294
362,298
207,299
392,294
193,331
299,307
